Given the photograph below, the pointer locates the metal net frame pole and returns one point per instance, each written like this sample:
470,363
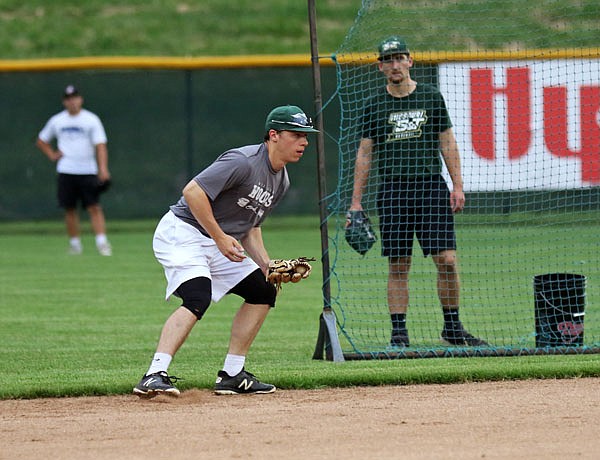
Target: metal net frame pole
328,334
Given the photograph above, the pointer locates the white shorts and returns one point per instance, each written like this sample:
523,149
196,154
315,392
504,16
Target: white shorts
185,253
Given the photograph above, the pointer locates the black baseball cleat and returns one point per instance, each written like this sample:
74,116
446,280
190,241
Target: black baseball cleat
156,384
243,383
459,336
399,339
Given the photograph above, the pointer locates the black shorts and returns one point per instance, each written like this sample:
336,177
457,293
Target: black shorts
416,207
75,188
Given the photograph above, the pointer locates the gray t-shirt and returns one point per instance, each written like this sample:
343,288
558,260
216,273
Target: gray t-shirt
242,188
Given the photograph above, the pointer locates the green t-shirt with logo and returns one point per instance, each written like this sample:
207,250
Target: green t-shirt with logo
405,131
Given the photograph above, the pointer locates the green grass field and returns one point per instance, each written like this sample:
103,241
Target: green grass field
89,324
177,28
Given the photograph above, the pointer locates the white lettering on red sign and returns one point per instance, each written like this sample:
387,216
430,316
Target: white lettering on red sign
526,125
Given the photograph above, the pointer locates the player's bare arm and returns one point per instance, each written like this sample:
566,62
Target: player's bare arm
102,160
53,155
254,245
361,172
450,152
202,210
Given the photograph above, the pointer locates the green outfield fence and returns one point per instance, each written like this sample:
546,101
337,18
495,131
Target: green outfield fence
166,118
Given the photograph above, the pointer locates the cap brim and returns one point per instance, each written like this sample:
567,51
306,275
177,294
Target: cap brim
382,56
291,127
302,130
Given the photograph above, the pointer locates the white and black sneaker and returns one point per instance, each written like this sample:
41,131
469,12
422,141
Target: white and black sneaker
155,384
243,383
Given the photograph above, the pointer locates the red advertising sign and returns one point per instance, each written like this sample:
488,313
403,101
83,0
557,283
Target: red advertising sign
526,125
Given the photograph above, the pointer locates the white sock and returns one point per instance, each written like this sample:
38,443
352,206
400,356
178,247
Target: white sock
75,242
101,239
160,363
234,364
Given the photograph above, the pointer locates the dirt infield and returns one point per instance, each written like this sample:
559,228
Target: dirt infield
537,419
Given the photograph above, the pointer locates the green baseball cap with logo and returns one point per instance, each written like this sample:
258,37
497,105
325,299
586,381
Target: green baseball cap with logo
392,45
289,118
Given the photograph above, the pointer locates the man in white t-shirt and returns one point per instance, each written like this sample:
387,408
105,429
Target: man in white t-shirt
81,160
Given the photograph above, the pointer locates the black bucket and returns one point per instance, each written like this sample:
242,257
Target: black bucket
559,309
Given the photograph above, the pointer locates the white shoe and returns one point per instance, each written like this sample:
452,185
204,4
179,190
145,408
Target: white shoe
105,249
75,249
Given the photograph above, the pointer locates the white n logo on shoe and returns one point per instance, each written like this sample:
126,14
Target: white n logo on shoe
149,382
246,384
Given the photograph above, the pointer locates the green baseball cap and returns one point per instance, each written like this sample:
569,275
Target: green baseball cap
392,45
289,118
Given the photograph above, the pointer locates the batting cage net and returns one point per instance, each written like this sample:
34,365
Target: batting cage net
522,102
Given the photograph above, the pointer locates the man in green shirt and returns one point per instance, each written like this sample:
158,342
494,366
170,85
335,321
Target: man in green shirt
405,128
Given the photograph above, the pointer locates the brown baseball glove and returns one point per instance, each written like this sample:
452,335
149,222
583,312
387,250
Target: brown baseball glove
284,271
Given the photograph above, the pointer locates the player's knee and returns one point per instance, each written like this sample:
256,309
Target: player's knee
446,261
449,258
265,295
196,295
254,289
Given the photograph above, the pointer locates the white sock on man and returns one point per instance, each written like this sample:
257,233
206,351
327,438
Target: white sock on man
234,364
101,239
160,363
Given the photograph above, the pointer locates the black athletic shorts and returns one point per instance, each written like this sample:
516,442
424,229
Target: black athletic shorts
75,188
415,207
